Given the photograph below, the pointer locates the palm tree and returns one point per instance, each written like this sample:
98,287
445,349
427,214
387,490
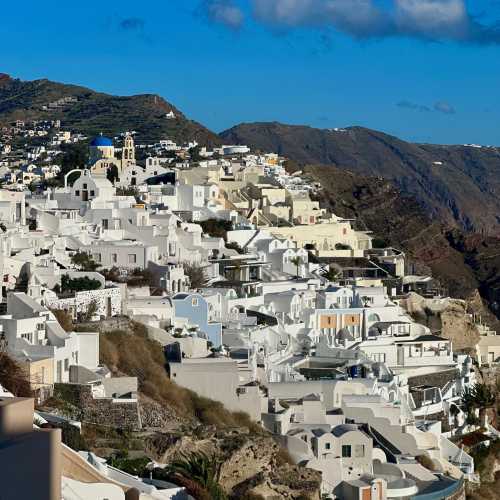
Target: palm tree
199,474
331,274
480,396
296,261
365,300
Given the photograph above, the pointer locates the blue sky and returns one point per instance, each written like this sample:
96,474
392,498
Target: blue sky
425,70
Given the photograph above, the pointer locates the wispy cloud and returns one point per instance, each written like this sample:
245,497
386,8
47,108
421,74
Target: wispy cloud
438,107
132,24
414,106
225,12
437,20
444,107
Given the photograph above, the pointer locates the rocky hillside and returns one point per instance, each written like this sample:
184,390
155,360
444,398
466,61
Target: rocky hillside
95,112
463,262
457,185
178,423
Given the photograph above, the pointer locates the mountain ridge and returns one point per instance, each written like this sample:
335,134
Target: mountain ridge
458,185
95,112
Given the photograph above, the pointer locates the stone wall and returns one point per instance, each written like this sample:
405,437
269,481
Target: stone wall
81,301
107,325
105,411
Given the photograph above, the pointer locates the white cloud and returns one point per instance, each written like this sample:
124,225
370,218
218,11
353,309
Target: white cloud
347,15
225,12
428,19
437,18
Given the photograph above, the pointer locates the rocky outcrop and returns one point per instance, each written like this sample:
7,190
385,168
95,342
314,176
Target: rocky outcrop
448,317
251,464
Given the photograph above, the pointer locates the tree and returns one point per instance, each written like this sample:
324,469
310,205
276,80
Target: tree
296,261
201,469
332,274
194,153
481,397
84,261
196,275
112,173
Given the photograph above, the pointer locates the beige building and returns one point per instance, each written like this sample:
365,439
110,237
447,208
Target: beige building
334,239
303,209
488,349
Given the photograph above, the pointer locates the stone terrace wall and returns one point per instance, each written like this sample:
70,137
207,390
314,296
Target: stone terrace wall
104,411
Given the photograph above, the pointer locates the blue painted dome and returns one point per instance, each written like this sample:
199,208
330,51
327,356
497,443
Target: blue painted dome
100,140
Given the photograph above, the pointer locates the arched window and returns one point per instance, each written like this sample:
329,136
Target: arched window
374,317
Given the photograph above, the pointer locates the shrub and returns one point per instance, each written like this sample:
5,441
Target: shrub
216,228
13,377
78,284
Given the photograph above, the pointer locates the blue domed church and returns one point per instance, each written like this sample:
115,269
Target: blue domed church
102,155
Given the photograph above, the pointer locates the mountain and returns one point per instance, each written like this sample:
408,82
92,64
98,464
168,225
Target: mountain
465,263
457,185
95,112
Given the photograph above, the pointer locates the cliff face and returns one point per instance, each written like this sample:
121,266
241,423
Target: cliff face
450,317
252,464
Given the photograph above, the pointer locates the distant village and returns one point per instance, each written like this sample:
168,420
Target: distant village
261,298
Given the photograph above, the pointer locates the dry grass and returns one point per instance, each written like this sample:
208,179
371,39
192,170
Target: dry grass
13,377
133,354
64,319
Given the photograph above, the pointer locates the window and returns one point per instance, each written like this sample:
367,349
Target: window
66,364
132,258
346,451
359,451
194,302
114,258
97,257
328,446
92,193
85,186
77,193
